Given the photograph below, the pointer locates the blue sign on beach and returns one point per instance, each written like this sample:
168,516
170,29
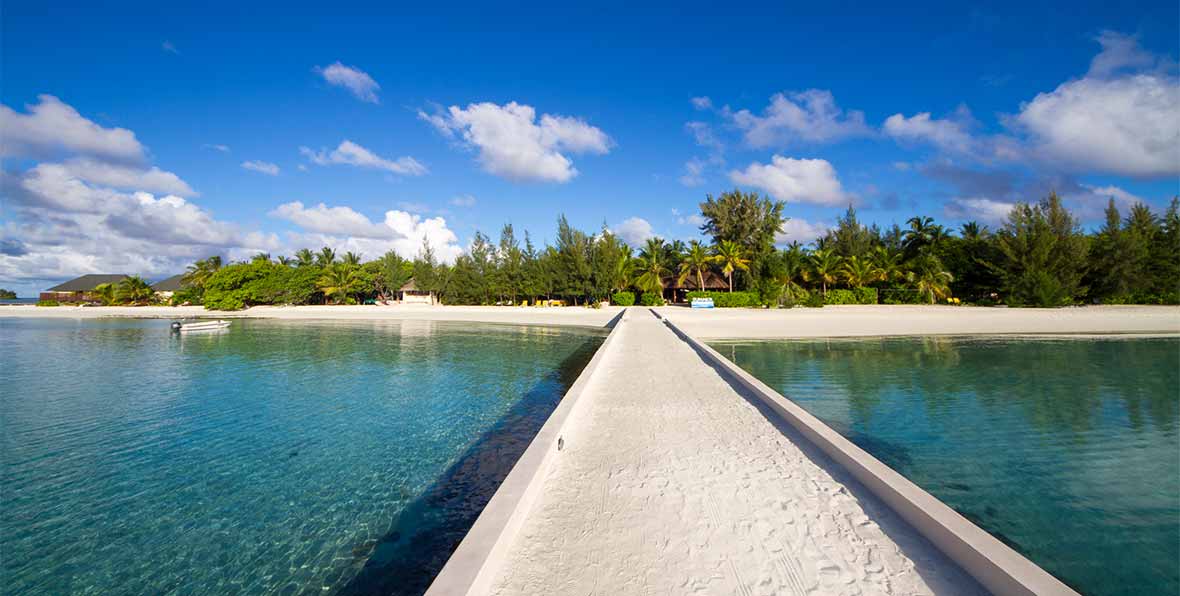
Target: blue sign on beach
702,303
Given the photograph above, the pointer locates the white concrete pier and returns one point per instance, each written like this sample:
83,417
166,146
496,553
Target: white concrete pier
677,475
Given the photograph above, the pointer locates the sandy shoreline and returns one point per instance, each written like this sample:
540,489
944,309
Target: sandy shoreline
886,320
831,321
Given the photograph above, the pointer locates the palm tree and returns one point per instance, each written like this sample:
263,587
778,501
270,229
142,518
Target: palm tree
134,289
930,278
286,261
972,231
621,271
262,257
198,273
338,281
825,266
304,257
923,232
887,264
732,258
695,261
351,258
325,257
858,272
793,270
650,266
105,293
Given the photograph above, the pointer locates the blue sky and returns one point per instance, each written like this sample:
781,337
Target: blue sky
125,130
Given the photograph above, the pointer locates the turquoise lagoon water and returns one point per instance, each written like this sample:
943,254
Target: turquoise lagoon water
1067,449
273,458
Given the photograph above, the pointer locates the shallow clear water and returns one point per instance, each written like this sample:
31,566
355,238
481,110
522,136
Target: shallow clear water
1067,449
271,458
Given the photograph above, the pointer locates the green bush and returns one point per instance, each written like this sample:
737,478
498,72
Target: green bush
840,297
813,300
624,298
48,303
651,299
865,295
901,296
224,301
728,299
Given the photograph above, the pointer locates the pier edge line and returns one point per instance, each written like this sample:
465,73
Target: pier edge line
992,563
471,568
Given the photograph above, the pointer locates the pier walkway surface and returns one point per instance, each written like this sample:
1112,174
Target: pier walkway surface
673,481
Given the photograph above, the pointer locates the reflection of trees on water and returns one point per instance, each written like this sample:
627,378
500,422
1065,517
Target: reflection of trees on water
1056,384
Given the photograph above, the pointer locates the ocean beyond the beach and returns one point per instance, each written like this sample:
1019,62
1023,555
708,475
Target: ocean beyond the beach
1066,449
288,458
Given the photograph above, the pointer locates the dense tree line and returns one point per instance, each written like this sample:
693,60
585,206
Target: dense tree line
1038,257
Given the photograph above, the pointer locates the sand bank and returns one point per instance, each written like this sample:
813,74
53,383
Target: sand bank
580,316
671,482
831,321
853,321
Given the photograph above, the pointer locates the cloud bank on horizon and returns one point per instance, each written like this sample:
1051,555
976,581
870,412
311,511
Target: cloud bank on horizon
81,196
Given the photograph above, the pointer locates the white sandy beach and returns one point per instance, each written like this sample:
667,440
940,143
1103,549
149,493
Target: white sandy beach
671,482
831,321
854,321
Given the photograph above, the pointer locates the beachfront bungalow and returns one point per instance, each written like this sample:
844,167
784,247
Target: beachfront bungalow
165,288
674,291
82,288
410,294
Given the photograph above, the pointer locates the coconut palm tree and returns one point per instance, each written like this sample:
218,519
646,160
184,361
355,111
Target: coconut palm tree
304,258
339,281
351,258
887,264
794,262
198,274
650,266
858,272
972,231
621,270
135,290
286,261
105,293
325,257
930,278
922,232
825,268
731,257
262,257
695,261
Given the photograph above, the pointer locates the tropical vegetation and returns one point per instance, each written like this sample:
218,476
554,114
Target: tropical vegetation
1039,256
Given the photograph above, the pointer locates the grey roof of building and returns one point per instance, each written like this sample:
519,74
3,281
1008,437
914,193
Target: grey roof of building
172,284
87,283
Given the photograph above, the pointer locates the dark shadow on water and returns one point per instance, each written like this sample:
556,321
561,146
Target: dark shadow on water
908,540
422,538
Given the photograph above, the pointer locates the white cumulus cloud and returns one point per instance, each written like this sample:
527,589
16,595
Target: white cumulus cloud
810,116
1111,120
949,134
989,211
800,230
634,231
52,126
350,153
795,180
120,176
357,81
345,229
513,144
264,167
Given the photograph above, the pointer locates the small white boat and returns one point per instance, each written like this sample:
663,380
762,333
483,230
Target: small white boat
199,326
